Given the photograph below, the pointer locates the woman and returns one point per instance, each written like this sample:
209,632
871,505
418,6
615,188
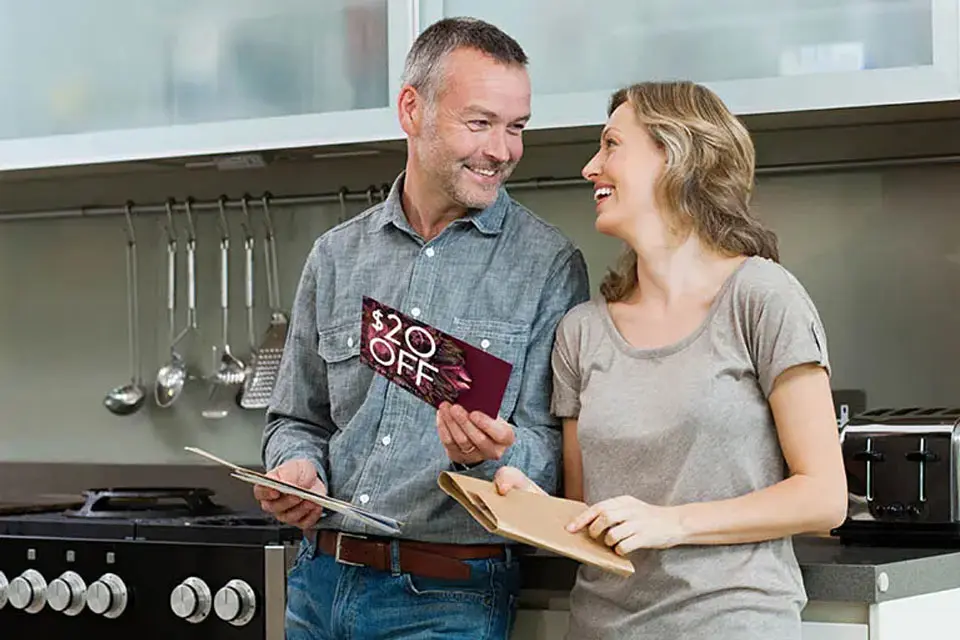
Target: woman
688,388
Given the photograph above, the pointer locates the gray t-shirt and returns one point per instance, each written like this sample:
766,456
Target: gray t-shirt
689,422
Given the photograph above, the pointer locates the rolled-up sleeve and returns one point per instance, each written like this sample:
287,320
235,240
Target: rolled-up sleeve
566,370
298,418
787,331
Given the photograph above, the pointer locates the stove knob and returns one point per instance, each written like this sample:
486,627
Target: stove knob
107,596
191,600
3,590
67,594
235,603
28,591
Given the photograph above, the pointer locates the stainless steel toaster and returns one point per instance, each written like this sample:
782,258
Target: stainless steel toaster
901,466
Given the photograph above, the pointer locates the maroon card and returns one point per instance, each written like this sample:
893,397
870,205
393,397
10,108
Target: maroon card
431,364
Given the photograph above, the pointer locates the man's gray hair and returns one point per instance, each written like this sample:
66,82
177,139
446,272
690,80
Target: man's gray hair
424,63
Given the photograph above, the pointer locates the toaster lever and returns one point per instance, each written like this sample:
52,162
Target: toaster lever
922,456
869,456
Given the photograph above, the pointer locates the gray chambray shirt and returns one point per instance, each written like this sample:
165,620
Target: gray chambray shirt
500,279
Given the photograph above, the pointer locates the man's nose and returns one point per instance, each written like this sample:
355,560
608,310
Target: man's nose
497,148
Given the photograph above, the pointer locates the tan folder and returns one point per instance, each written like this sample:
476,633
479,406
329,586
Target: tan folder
532,518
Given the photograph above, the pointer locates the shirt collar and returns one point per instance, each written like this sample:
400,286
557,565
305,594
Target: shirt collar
488,221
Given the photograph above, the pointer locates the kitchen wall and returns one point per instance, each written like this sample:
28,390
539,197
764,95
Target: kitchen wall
879,250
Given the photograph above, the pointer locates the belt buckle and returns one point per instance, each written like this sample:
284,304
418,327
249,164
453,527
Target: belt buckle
336,556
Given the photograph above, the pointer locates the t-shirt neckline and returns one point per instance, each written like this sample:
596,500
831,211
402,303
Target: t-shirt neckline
668,349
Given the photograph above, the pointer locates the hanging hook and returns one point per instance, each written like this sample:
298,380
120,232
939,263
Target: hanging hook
370,192
245,224
222,208
267,220
270,259
384,190
131,236
343,205
171,227
188,209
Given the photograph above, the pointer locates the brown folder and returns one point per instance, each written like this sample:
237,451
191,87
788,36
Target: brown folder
532,518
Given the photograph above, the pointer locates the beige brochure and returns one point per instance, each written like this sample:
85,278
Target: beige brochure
532,518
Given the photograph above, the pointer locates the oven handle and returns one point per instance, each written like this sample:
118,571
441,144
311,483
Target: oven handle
276,562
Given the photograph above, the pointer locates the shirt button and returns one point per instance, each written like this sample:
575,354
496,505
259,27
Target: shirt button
349,342
386,440
430,252
415,312
364,499
484,343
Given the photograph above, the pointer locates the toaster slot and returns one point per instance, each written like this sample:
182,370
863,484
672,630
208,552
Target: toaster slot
922,457
868,457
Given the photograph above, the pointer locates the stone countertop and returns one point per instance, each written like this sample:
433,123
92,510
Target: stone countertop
832,572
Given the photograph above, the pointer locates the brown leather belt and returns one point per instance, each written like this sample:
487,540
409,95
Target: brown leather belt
427,559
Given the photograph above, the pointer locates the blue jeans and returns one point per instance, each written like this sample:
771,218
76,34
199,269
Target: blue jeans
327,600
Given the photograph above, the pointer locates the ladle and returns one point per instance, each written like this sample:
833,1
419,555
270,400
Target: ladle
127,399
173,375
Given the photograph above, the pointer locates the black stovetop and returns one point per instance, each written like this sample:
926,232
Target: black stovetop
156,514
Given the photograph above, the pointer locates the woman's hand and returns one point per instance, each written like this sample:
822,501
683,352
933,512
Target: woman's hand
627,524
509,478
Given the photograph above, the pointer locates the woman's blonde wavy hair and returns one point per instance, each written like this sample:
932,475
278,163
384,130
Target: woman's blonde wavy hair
708,179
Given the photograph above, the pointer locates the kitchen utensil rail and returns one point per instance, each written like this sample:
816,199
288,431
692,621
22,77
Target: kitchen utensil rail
334,197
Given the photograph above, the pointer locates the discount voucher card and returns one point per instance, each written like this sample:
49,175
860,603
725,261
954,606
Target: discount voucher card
431,364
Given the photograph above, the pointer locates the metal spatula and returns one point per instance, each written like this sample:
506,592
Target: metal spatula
258,386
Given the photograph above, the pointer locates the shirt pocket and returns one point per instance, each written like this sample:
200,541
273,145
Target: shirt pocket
503,339
347,377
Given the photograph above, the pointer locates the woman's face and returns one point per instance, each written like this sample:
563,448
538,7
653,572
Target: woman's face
624,173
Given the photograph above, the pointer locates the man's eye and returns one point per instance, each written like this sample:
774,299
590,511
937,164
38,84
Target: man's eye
479,123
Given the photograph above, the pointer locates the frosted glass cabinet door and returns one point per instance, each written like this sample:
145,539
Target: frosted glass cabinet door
759,55
213,75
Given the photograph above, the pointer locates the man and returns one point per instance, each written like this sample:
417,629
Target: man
451,248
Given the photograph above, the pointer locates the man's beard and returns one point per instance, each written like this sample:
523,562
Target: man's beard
447,172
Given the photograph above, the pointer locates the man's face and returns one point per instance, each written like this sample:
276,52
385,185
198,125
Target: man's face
472,136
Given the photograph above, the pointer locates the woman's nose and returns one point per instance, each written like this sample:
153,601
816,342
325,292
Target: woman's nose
592,168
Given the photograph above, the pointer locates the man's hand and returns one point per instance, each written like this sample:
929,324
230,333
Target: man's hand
474,437
291,509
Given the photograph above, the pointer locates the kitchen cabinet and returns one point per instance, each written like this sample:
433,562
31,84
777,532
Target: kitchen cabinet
89,81
760,56
930,615
115,81
854,592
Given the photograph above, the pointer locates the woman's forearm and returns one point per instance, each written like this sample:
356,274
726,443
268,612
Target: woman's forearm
799,504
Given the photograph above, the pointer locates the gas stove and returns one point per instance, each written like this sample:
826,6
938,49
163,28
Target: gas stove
161,562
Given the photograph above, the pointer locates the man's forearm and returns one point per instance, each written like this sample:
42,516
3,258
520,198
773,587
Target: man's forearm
285,438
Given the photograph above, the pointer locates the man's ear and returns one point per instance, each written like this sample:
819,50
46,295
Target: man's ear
410,110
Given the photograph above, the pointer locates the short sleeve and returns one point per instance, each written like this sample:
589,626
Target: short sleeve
565,402
788,332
